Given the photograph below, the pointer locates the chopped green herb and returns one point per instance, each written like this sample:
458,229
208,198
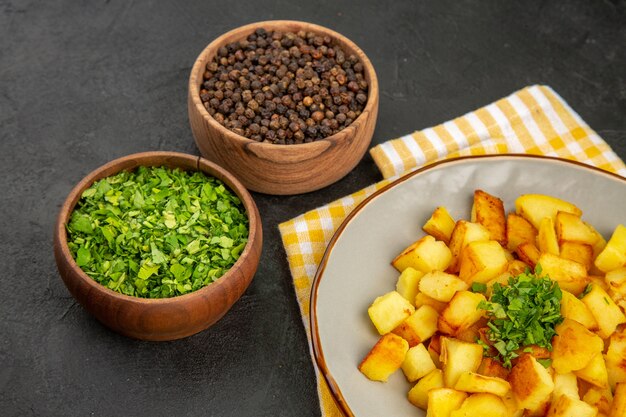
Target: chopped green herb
545,362
586,291
157,232
479,287
521,314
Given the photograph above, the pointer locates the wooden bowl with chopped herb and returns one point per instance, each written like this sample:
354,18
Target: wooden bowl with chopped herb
288,107
158,245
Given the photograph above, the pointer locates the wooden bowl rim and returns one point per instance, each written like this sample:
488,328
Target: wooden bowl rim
244,30
73,197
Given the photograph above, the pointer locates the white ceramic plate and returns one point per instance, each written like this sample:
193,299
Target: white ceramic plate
356,267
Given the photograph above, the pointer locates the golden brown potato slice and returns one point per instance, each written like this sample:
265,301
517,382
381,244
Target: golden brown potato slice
517,267
574,346
488,210
388,311
540,410
418,395
528,253
441,286
570,228
458,357
385,358
442,401
464,232
618,408
599,281
419,326
601,398
579,252
408,283
531,383
492,367
595,372
511,404
417,363
574,309
571,275
422,299
537,352
519,230
426,255
472,333
434,349
566,406
616,280
534,207
613,255
440,225
565,384
482,261
600,242
604,310
546,238
461,312
475,382
483,405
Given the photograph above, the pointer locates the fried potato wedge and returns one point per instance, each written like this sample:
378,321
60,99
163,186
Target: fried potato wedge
534,207
426,255
385,358
574,346
440,225
388,311
519,230
463,234
488,210
531,383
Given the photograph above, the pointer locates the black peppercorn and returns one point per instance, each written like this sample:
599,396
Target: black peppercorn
311,131
294,126
252,104
249,113
298,136
284,88
326,131
274,124
317,116
255,128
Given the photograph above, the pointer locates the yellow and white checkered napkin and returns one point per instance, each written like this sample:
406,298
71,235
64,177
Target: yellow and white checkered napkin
535,120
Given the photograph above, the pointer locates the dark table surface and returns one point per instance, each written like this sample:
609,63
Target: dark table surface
84,82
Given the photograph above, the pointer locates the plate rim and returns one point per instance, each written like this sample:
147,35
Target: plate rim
316,343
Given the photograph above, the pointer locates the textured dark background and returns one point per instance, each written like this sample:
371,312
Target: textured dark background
83,82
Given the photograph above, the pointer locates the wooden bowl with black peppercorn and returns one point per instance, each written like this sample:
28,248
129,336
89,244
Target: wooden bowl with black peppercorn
288,107
175,316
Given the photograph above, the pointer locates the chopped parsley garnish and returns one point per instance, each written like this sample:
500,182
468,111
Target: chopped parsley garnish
479,287
157,232
545,362
521,314
586,291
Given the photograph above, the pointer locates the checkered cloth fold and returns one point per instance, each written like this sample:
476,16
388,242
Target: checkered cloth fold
534,120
